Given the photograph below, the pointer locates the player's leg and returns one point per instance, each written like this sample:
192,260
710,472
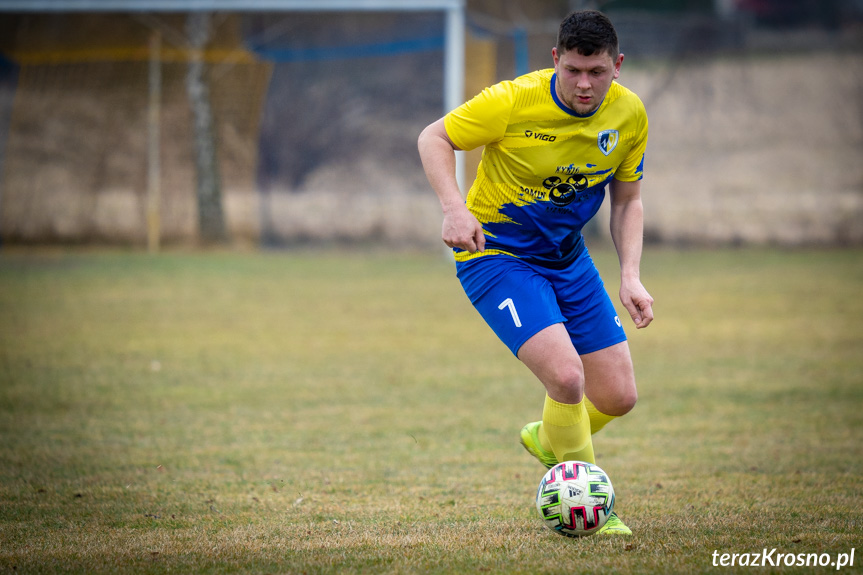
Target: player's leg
609,387
598,336
609,384
553,360
565,428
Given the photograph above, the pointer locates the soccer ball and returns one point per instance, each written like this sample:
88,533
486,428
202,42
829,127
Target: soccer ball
575,498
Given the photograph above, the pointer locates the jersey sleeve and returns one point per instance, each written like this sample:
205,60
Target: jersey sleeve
482,119
632,167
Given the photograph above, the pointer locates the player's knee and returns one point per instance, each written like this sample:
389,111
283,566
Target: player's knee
566,383
623,402
628,401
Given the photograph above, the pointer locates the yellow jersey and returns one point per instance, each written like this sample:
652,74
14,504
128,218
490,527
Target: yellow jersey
545,168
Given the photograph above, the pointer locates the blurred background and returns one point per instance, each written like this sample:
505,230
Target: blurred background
282,128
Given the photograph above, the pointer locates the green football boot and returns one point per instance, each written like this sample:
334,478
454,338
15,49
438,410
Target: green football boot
614,526
530,441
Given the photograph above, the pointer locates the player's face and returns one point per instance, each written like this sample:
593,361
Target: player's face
583,81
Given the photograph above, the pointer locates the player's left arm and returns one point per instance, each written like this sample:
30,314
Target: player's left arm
627,231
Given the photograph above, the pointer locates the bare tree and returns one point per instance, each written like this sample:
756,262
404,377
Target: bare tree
211,217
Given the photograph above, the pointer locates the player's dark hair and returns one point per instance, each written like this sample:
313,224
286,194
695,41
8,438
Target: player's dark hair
588,32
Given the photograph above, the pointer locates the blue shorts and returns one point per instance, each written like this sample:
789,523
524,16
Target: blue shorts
518,300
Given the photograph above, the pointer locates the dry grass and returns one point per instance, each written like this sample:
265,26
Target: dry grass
350,413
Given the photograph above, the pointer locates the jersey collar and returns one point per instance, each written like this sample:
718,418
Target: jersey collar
563,106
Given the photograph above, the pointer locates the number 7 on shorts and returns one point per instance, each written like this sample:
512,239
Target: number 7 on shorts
509,303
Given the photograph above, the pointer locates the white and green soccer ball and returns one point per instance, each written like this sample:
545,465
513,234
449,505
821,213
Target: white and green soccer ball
575,498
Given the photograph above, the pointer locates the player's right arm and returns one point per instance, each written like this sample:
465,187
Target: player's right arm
437,151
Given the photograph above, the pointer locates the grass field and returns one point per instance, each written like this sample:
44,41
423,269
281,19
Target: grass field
350,413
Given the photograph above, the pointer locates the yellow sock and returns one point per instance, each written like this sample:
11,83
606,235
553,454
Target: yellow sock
598,420
565,431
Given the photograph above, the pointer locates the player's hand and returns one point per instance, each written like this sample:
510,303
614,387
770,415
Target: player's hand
462,230
637,302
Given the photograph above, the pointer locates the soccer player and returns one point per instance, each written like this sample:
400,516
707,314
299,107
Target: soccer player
554,141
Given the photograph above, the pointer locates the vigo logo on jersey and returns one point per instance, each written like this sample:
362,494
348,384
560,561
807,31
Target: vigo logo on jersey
538,136
607,141
562,193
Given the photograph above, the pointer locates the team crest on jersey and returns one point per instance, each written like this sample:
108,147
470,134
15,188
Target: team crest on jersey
607,141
